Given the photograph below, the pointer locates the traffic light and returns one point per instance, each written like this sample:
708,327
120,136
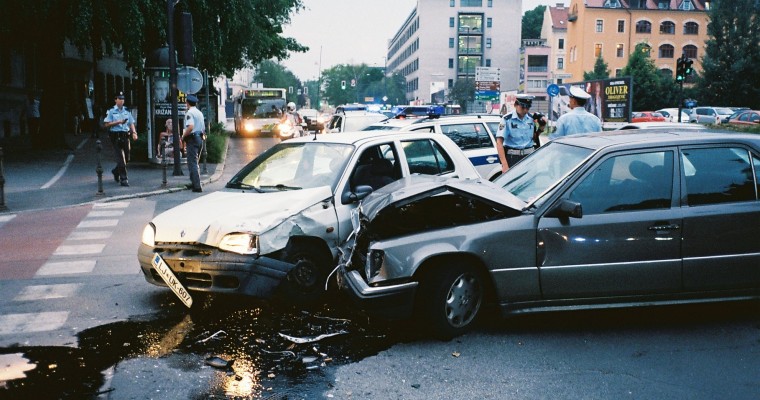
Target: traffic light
184,29
687,69
680,69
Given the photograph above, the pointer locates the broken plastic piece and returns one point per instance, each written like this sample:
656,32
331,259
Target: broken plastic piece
212,336
311,339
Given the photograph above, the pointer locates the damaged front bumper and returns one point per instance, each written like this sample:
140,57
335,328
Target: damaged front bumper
394,301
207,269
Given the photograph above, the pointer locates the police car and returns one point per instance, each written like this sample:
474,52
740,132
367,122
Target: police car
473,133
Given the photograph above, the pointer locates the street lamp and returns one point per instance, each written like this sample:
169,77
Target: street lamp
467,56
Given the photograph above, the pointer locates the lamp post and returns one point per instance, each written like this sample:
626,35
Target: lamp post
467,57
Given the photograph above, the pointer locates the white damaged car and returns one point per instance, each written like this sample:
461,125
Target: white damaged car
276,226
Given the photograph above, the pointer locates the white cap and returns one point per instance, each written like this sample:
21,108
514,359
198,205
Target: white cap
579,93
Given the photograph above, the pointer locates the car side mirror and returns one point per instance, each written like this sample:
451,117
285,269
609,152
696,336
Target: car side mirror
359,192
566,208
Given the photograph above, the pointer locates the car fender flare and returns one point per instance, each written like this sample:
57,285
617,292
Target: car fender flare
429,263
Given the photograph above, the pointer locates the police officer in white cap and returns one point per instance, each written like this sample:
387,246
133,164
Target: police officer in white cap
193,136
514,139
578,120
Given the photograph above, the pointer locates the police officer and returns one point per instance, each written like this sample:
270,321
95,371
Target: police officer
514,139
193,138
121,126
578,120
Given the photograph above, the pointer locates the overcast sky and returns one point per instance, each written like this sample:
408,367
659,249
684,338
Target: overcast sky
351,32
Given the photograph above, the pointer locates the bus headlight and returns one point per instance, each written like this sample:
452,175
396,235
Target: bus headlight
241,243
248,126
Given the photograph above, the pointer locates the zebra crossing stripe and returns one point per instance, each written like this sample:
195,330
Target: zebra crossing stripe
66,268
32,322
43,292
89,235
97,223
80,249
105,213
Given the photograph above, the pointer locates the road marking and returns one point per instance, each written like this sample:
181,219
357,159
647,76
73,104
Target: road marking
89,235
78,249
115,204
32,322
66,267
107,213
98,223
60,173
6,218
43,292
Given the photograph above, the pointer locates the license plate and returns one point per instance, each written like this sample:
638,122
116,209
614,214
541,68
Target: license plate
171,280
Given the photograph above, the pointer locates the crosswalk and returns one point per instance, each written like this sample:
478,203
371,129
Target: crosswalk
77,255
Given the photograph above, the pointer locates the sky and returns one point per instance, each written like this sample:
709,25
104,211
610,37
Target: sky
351,32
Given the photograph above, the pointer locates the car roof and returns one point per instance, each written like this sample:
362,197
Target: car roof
359,137
661,125
655,137
400,123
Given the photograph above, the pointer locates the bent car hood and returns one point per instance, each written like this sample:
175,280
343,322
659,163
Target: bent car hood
208,218
416,187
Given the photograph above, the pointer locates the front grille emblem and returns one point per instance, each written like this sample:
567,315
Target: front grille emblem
182,234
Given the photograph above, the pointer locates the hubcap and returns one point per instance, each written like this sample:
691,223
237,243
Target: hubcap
463,300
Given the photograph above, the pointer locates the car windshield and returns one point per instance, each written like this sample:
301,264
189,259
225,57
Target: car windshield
382,128
293,166
724,111
532,177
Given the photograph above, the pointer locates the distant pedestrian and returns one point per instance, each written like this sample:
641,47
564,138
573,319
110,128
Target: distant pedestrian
32,113
121,126
514,139
577,120
168,135
193,136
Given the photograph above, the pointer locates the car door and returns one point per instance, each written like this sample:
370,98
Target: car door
721,224
628,240
476,143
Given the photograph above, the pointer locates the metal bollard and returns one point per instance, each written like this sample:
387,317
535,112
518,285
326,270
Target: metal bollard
3,207
204,170
164,163
99,169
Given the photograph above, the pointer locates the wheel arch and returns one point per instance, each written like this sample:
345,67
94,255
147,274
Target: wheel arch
468,259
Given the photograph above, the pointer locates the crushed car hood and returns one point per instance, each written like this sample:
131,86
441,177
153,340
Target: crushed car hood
208,218
417,187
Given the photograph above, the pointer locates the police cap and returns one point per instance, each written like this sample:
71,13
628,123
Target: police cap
524,100
579,93
192,99
119,95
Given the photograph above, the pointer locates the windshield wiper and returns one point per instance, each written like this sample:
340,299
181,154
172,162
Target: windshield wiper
280,186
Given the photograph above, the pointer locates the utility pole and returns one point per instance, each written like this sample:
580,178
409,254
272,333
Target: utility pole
173,82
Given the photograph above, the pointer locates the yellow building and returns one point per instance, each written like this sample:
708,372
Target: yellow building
613,28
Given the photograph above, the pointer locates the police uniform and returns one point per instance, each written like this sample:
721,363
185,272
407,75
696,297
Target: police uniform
578,120
517,134
119,135
193,141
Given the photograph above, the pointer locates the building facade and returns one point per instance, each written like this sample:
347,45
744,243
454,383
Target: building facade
443,41
554,31
613,28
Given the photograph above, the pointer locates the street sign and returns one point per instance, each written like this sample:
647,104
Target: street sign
492,95
487,74
189,80
487,85
552,90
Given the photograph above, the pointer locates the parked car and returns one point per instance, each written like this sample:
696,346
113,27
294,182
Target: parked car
473,133
710,115
647,116
671,114
745,117
350,121
593,221
662,125
310,116
276,226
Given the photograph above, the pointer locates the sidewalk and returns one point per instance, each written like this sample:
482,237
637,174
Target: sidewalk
57,178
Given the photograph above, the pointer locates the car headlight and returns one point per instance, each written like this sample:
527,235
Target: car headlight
149,235
374,264
241,243
248,126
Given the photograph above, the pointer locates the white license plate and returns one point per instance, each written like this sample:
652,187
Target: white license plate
171,280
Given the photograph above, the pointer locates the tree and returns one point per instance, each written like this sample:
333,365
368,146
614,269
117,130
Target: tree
227,35
731,64
648,87
462,93
532,21
601,70
273,75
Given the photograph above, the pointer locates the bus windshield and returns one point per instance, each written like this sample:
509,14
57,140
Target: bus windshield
262,108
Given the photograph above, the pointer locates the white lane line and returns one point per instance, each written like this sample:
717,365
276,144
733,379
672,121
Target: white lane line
43,292
66,267
89,235
103,214
32,322
78,249
98,223
60,173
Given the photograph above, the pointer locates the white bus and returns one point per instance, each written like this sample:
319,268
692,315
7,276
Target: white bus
257,111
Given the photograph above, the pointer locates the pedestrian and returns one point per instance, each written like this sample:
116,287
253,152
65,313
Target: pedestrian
577,120
276,112
193,136
514,139
121,126
32,113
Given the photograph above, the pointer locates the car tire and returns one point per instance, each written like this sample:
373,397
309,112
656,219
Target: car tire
449,300
304,285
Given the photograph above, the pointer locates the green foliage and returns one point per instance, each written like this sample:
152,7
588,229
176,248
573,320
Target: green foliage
462,93
216,145
273,75
730,72
601,71
649,88
370,83
532,21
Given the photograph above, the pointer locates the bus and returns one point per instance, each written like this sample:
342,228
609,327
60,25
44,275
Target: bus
257,111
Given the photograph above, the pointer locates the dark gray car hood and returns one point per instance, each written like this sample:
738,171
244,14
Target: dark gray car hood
418,187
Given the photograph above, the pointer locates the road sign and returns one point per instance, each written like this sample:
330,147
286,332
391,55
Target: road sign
492,95
189,80
487,85
552,90
487,74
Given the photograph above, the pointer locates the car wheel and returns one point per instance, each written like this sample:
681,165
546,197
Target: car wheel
305,283
449,300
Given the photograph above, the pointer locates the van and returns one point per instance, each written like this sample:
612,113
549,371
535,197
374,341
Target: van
350,121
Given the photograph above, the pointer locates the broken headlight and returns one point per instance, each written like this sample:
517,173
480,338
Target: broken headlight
374,264
241,243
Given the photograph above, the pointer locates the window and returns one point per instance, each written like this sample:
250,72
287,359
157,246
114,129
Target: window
690,51
560,63
718,175
686,5
611,4
618,72
600,25
666,51
471,3
642,181
561,44
490,3
597,50
468,136
642,4
451,43
488,43
619,50
427,157
691,28
488,62
621,26
452,22
643,27
668,28
451,63
663,4
451,82
489,22
452,3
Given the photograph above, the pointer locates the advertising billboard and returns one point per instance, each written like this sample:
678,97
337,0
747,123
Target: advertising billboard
610,100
